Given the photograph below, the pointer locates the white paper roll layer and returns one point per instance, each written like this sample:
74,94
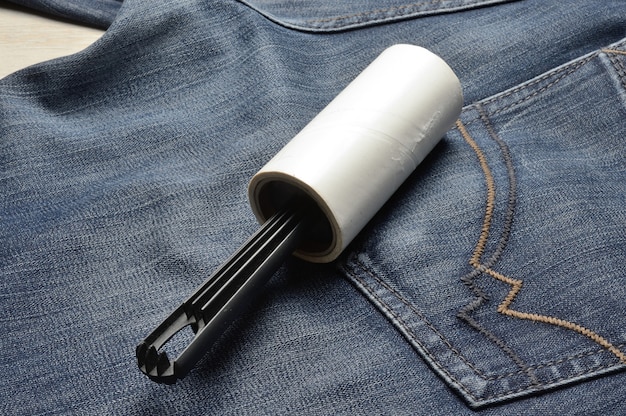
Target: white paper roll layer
355,153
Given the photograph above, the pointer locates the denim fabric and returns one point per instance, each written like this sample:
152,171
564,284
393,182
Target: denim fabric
493,282
99,13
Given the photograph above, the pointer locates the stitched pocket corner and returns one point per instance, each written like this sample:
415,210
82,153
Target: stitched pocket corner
329,16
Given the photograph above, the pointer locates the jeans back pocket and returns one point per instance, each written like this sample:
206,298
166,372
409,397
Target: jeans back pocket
329,15
502,260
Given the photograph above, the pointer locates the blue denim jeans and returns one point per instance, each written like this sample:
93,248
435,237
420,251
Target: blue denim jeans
493,282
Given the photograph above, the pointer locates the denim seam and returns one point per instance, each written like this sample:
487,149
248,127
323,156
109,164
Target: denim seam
561,72
574,357
408,331
415,311
470,279
619,66
371,17
414,338
516,284
394,11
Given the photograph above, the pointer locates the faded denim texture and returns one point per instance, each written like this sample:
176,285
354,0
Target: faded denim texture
493,282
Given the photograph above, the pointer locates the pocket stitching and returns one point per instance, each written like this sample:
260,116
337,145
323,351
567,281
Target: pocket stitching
413,337
357,20
619,66
517,284
372,12
413,309
470,279
564,72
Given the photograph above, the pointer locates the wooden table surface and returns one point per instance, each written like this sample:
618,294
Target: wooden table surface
28,37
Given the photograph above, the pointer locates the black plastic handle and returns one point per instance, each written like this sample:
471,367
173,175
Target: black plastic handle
222,297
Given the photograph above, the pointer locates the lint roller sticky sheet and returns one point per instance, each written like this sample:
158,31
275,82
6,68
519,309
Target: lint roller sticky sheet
318,192
356,152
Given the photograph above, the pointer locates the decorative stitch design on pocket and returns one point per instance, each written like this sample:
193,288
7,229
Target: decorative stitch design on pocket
470,279
505,307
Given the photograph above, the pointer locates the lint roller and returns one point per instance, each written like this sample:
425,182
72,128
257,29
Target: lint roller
355,153
315,195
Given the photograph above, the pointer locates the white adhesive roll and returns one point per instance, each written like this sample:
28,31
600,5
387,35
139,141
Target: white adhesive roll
355,153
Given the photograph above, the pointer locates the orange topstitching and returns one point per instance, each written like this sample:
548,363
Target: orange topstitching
516,285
